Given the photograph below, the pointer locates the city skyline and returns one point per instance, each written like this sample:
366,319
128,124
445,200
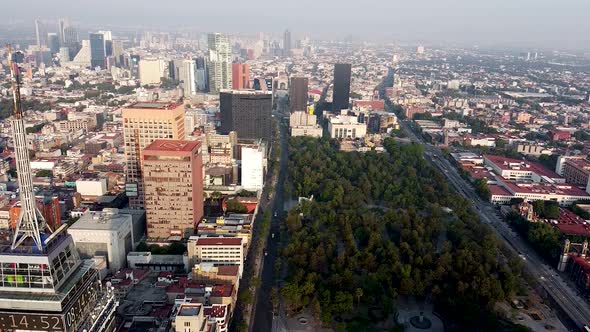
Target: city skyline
286,166
527,23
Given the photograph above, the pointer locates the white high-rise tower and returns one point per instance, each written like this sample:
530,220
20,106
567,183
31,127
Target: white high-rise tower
219,62
30,220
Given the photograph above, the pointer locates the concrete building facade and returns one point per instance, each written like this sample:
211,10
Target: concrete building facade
219,62
218,250
106,233
240,76
246,112
173,184
143,123
344,126
151,71
253,166
298,94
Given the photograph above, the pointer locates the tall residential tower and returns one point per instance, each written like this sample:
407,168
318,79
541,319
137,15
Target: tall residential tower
219,62
143,123
173,183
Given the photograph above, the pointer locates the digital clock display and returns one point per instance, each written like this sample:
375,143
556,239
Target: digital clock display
26,321
82,305
76,312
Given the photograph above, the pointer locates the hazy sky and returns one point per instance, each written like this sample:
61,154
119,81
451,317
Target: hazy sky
548,23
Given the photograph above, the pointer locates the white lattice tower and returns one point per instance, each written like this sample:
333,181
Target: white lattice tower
30,220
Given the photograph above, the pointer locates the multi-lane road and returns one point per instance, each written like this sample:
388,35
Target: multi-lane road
572,305
263,308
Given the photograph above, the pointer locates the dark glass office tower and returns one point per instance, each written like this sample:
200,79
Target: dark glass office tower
298,94
53,42
97,51
247,112
341,94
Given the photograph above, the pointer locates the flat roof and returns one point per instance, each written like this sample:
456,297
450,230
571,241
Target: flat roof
155,105
216,241
582,164
172,145
496,190
563,189
189,309
246,92
101,220
510,164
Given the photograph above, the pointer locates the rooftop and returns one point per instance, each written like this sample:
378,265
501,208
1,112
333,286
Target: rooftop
219,241
510,164
499,191
545,189
216,311
246,92
108,219
172,145
155,105
582,164
189,309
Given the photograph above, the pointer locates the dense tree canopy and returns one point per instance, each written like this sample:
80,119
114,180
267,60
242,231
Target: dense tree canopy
378,224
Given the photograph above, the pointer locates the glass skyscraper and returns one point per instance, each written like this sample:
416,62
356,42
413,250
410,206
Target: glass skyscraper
97,51
341,95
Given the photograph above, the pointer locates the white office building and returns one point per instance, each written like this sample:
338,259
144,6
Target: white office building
253,166
218,250
187,76
219,62
107,233
91,187
152,70
346,126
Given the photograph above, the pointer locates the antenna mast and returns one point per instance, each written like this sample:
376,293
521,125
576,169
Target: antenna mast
30,220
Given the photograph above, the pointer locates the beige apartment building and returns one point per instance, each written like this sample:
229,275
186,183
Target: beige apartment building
218,250
173,187
143,123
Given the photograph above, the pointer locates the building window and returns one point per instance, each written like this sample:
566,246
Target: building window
187,324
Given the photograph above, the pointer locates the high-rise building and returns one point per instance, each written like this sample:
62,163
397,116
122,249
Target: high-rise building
298,94
70,35
219,64
117,50
108,42
53,42
143,123
186,74
246,112
40,33
341,96
45,285
240,76
64,54
61,24
151,71
201,74
97,50
82,58
253,166
173,184
287,42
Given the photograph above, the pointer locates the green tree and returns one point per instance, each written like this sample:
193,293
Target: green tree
232,205
44,174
